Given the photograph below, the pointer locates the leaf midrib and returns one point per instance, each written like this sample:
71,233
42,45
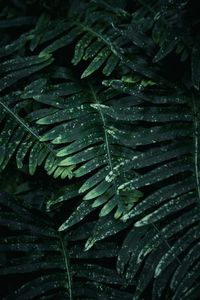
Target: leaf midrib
66,264
106,136
27,128
196,145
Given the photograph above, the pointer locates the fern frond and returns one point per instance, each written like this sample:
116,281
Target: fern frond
96,152
158,230
18,136
52,252
100,41
130,142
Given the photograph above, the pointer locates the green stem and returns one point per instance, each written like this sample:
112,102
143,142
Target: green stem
27,128
106,136
66,263
196,145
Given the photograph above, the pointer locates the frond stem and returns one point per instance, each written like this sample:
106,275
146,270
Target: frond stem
106,136
28,129
165,241
196,145
66,262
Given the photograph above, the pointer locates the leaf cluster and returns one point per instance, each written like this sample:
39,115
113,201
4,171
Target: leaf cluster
99,124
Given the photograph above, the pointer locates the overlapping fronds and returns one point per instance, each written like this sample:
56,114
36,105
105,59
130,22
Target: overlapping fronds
105,96
59,266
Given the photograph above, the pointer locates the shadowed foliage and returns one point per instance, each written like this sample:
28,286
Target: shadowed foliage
99,124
